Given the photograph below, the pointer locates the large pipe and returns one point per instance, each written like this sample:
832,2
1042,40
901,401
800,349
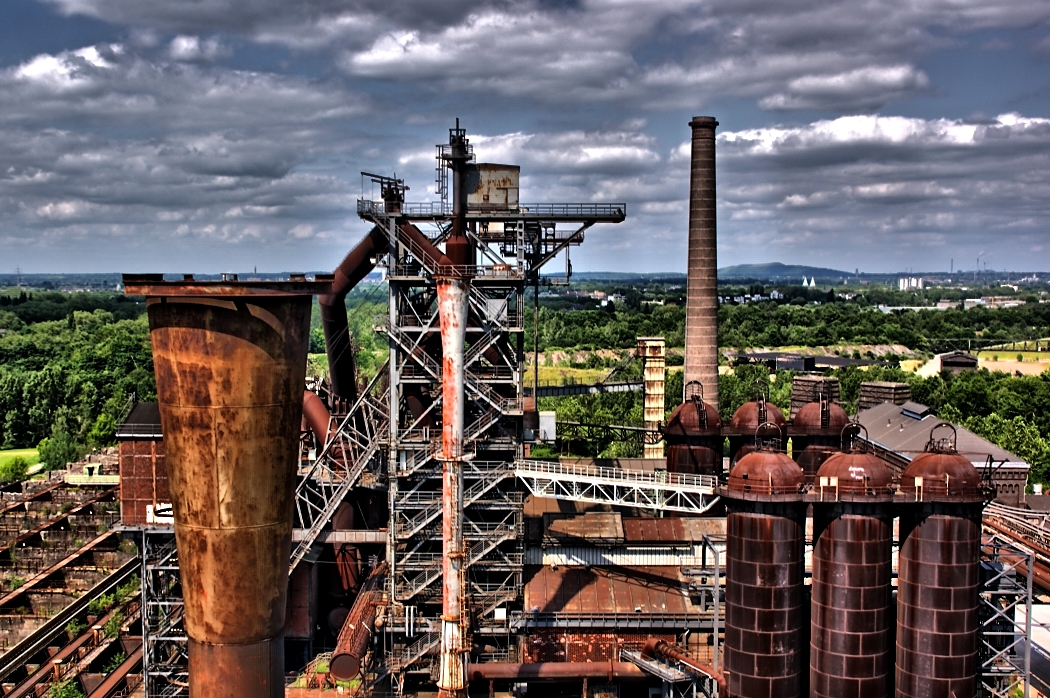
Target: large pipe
662,648
452,310
317,416
357,264
459,247
230,363
356,633
701,305
556,671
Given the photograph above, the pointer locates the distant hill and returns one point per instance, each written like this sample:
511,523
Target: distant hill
776,271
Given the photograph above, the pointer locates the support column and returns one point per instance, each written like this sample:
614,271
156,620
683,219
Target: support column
452,310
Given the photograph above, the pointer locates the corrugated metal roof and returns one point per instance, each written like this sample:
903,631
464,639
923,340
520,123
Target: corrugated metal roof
595,526
671,530
892,427
575,590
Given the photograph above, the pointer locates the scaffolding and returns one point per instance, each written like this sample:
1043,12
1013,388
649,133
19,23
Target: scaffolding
164,642
1005,617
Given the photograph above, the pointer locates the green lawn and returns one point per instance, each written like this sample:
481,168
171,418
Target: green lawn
28,453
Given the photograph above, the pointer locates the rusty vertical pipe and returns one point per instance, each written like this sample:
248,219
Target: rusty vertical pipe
701,305
452,310
230,363
459,247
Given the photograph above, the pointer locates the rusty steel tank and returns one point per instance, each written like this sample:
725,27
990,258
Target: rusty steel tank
851,630
940,537
694,436
230,364
765,633
745,421
815,434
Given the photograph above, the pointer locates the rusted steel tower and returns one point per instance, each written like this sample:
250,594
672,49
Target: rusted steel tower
851,638
701,307
937,591
230,363
765,565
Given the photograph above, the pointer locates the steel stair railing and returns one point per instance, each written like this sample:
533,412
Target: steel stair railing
338,468
489,479
411,587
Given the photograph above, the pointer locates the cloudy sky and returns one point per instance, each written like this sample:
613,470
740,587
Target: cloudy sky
214,135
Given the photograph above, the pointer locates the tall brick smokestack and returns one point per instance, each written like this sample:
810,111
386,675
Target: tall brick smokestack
701,308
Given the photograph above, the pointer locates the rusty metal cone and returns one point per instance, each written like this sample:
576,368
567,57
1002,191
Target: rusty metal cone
230,372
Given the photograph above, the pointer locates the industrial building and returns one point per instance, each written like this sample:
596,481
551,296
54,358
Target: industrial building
398,528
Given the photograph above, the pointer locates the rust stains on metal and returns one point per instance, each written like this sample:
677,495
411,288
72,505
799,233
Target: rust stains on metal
318,419
357,264
626,590
851,638
230,371
556,671
765,646
940,533
452,311
359,627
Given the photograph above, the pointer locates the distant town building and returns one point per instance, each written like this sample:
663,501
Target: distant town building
911,283
958,361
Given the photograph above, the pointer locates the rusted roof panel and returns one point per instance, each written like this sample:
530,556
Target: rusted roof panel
576,590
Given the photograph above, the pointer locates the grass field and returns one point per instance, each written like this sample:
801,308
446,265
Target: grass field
28,453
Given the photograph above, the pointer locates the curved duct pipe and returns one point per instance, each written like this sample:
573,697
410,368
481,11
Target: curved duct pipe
355,266
317,417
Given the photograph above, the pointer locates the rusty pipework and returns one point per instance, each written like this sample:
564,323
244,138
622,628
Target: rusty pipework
661,648
357,264
701,305
556,671
230,362
356,633
452,310
317,416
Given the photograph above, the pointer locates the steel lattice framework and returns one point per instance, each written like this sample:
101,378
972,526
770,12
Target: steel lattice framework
658,490
1005,612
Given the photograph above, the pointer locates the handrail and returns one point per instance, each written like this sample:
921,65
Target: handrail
633,477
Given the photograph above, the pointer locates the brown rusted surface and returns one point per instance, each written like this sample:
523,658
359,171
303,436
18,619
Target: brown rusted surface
765,635
855,475
765,473
452,310
752,415
317,417
582,645
143,479
357,264
701,306
229,376
945,477
556,671
765,638
237,671
851,633
154,285
810,457
628,590
937,600
356,633
661,648
820,417
671,529
694,439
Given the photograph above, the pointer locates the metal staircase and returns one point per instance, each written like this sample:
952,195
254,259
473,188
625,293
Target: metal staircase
337,469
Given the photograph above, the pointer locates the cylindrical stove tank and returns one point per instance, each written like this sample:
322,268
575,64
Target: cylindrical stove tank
815,434
230,364
765,634
694,437
745,421
851,640
940,535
